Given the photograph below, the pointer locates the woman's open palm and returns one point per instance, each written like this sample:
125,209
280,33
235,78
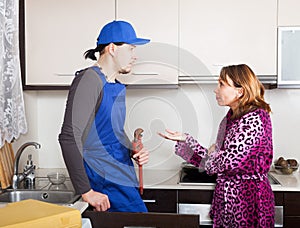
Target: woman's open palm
173,135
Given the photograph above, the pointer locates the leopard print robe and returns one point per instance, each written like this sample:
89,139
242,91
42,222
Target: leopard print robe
244,151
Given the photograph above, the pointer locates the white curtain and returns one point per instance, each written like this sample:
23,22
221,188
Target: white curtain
12,112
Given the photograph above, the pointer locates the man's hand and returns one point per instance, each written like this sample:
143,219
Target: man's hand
141,157
96,199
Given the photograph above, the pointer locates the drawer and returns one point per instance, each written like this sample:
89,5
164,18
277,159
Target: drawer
160,200
291,204
195,196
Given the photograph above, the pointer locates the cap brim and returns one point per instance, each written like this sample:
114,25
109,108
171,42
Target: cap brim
139,41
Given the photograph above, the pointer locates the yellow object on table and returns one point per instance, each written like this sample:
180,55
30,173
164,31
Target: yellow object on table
6,165
37,214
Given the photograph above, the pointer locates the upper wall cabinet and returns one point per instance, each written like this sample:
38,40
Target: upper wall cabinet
157,61
288,13
57,33
188,37
288,57
288,44
214,33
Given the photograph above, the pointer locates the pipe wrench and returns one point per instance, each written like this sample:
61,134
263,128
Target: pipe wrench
137,145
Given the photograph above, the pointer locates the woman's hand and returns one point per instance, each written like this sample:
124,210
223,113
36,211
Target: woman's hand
141,157
173,135
96,199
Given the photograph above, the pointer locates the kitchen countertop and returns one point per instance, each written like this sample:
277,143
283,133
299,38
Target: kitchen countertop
168,179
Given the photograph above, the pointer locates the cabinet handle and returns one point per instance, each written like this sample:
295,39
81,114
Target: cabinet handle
149,201
144,73
64,74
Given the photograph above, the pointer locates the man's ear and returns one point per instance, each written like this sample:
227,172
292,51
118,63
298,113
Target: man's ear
111,49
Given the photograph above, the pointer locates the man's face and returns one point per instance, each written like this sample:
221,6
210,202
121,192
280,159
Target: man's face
124,57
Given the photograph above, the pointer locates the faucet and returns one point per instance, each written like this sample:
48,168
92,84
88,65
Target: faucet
19,177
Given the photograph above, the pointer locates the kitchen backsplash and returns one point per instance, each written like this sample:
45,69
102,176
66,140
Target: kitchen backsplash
190,108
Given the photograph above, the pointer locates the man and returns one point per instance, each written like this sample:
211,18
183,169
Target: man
95,147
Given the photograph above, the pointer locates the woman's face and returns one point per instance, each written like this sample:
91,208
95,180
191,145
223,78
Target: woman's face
124,57
227,94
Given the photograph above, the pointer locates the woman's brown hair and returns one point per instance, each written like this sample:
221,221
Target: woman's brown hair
253,91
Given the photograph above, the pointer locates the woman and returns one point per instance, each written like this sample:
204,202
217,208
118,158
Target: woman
242,154
93,141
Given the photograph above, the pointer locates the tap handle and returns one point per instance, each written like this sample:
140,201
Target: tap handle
29,161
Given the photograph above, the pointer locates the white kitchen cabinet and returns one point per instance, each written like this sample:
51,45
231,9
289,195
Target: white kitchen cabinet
288,57
288,44
157,61
214,33
190,37
57,33
288,13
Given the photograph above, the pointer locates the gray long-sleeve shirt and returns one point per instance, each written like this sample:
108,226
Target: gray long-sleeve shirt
80,109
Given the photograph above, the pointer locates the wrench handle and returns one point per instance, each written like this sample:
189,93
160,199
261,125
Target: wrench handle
141,185
137,146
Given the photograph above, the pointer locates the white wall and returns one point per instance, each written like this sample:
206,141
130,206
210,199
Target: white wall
286,121
191,108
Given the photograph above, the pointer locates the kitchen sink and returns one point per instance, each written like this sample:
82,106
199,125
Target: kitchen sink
57,197
273,180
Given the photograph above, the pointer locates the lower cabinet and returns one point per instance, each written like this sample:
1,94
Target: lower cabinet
196,202
179,201
291,209
175,206
185,201
160,200
195,196
279,205
289,215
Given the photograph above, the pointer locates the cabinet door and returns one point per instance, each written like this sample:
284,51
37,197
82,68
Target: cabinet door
292,222
195,196
288,57
291,209
157,61
288,13
158,200
224,32
57,33
292,204
196,202
279,200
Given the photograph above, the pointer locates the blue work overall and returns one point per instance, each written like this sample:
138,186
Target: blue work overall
106,157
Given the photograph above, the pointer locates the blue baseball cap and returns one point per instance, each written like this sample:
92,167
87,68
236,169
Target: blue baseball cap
119,31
